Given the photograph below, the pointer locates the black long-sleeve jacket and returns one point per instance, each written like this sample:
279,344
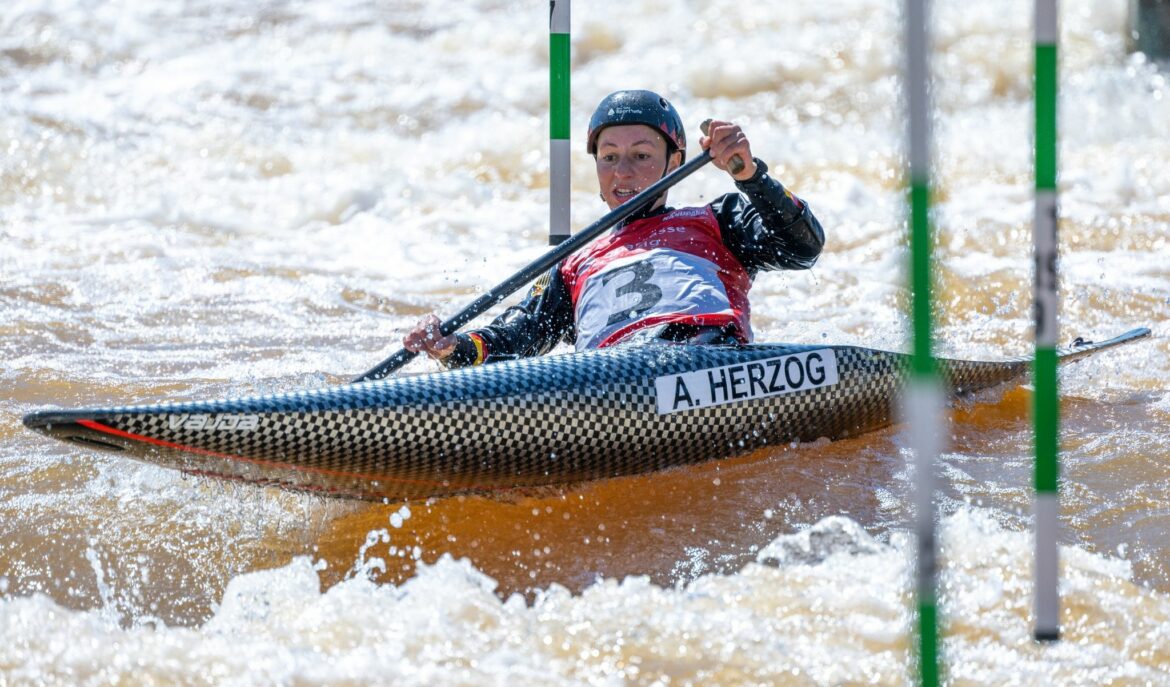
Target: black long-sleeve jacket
769,229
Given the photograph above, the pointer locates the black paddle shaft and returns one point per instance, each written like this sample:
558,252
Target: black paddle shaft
543,263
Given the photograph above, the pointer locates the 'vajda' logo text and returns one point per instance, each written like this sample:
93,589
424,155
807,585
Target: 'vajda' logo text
199,422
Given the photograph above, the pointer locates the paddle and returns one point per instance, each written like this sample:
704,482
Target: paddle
543,263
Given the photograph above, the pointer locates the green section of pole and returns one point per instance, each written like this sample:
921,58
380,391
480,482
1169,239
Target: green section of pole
1045,403
559,54
923,360
1046,88
928,661
1047,423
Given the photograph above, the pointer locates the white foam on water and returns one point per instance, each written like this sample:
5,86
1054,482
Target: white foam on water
829,605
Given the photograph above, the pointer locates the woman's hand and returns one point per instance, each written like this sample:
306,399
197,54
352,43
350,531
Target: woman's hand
426,337
725,140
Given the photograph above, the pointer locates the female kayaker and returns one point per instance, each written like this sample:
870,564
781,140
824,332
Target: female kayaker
674,274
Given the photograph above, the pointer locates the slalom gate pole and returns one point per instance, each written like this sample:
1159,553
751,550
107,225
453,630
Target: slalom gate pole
1046,409
924,402
558,104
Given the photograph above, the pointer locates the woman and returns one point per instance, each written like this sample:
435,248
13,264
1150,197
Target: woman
673,274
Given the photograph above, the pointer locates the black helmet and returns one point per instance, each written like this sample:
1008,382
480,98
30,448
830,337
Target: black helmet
638,107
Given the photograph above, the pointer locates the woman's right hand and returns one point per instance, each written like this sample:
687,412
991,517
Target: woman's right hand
426,337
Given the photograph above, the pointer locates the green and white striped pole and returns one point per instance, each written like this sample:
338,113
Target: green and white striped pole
924,403
558,104
1046,411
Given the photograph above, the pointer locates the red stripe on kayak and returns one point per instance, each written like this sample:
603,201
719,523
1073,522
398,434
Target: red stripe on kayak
106,429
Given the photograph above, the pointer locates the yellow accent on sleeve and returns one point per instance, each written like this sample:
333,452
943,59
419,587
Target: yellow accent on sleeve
540,284
480,349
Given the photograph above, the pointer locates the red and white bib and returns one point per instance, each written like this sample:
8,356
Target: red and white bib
672,268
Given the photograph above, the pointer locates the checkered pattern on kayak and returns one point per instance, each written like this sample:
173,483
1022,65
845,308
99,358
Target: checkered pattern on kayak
548,420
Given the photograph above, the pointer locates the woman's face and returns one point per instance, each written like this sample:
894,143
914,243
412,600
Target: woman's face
629,158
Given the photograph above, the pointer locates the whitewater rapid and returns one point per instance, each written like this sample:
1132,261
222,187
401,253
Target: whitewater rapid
204,199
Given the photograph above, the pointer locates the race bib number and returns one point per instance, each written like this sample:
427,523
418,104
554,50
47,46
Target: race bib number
637,290
658,282
756,379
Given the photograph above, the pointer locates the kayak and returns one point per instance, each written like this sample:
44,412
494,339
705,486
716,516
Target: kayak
551,420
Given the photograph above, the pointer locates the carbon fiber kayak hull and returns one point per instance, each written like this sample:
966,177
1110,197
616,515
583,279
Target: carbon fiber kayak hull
527,423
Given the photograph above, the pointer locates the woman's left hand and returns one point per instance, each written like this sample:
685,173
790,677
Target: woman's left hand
725,140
